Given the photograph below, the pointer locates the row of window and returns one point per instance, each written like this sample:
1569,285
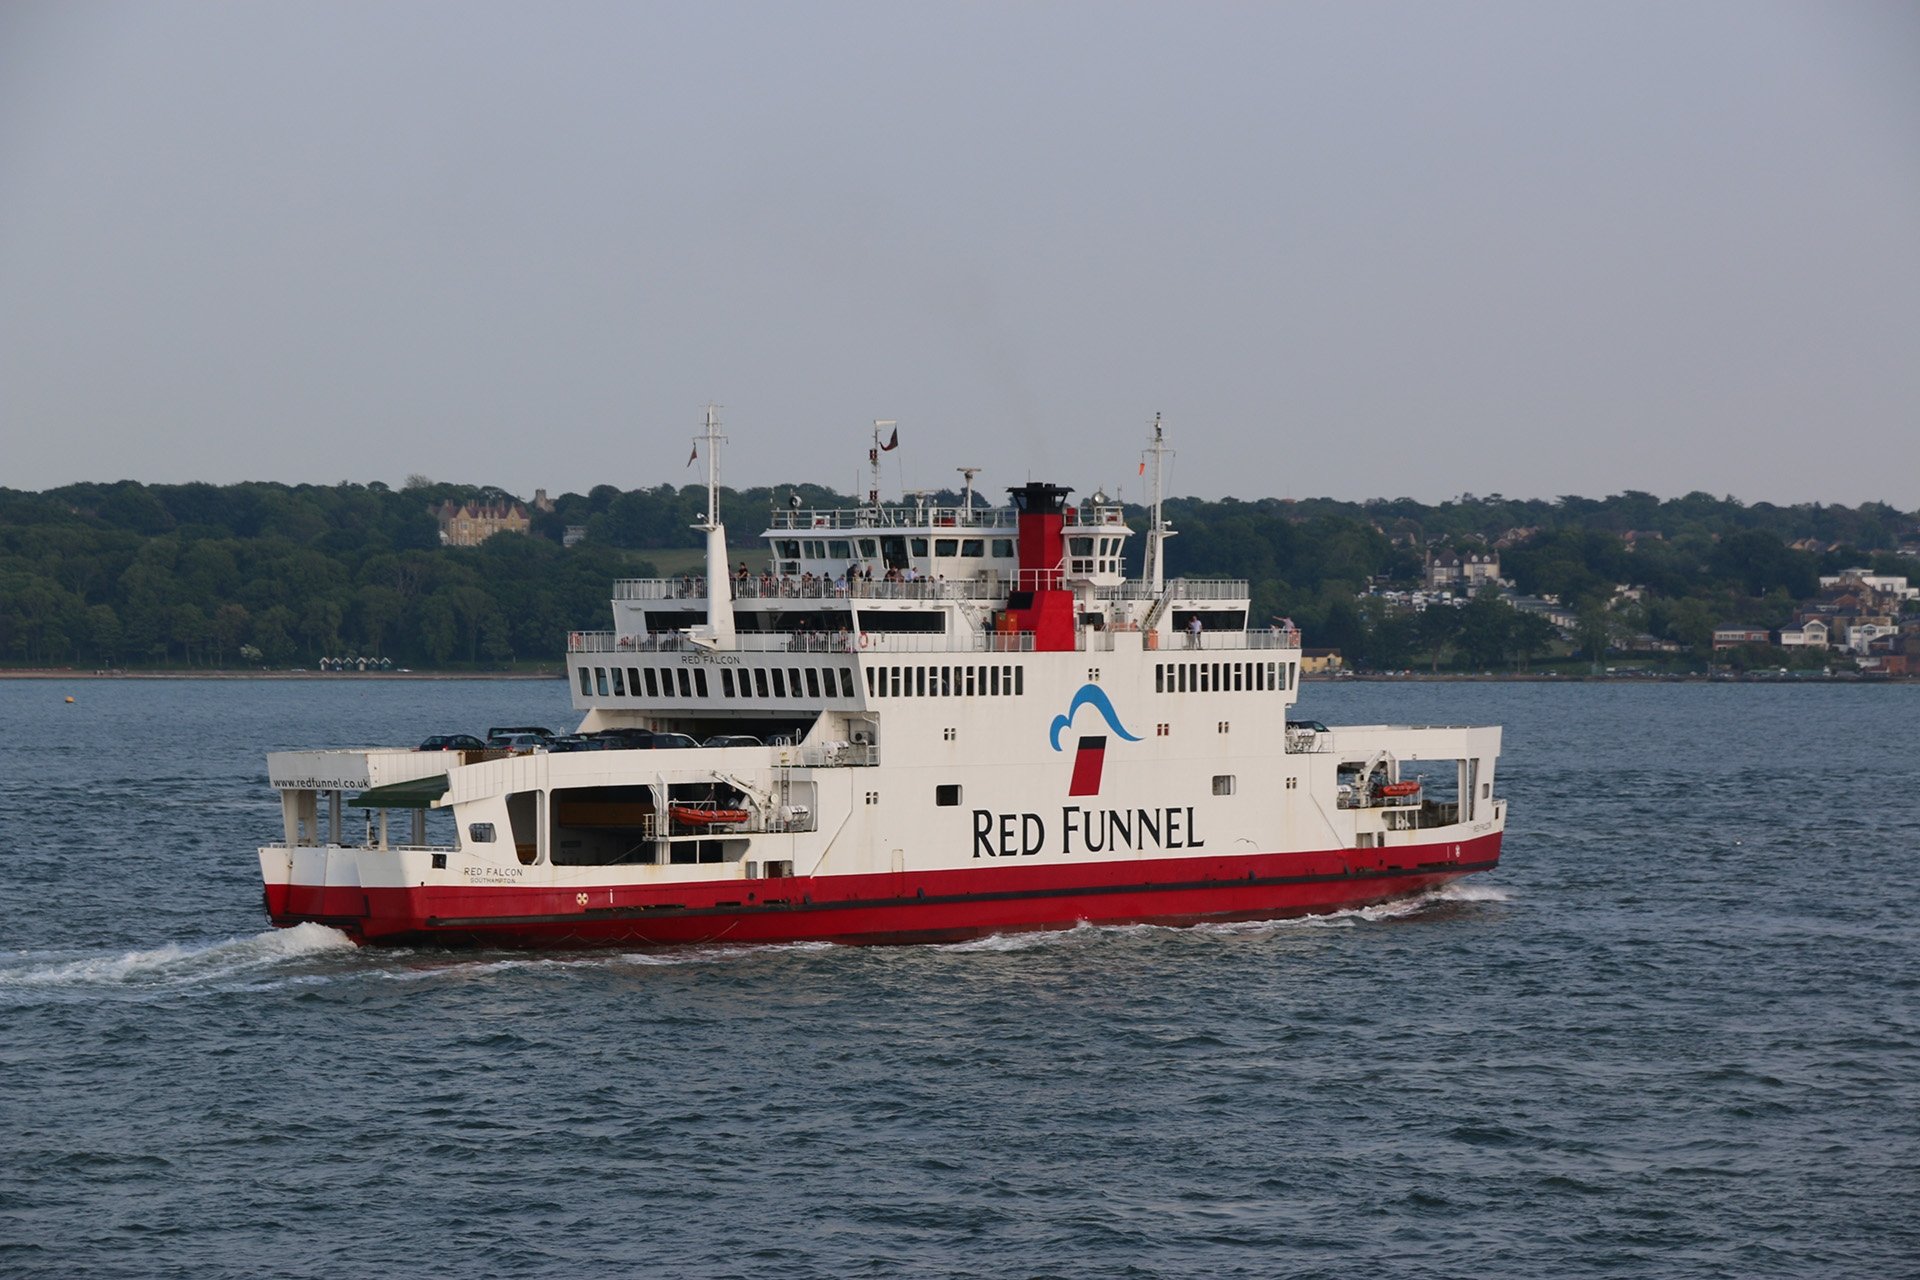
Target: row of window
868,548
691,682
970,681
1222,677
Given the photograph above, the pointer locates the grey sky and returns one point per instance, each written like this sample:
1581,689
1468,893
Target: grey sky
1356,250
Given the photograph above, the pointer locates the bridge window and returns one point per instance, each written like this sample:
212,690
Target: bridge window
919,546
779,683
839,549
973,546
600,678
946,546
793,680
846,683
1003,548
813,682
870,689
867,549
619,685
726,682
633,681
586,683
700,681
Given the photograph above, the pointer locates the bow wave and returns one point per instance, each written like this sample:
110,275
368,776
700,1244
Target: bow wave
1089,695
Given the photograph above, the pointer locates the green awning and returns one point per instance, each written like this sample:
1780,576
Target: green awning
416,793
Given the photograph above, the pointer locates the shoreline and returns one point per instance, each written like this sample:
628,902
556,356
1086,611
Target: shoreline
42,673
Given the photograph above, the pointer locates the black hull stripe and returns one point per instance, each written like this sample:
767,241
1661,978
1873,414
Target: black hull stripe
929,900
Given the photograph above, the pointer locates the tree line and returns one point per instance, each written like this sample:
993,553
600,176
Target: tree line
200,575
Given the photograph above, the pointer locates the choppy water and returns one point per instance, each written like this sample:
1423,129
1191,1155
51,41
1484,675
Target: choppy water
1674,1035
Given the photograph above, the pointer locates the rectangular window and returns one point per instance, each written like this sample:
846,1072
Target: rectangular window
793,680
1003,548
946,682
1239,676
970,673
653,683
946,546
779,683
633,681
893,680
846,683
726,681
919,546
619,684
947,795
686,684
869,671
480,832
586,683
813,682
839,549
1159,677
600,678
973,546
760,682
919,682
993,682
1019,680
1223,784
867,549
700,682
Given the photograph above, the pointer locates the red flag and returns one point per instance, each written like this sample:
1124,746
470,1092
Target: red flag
893,443
694,456
1143,466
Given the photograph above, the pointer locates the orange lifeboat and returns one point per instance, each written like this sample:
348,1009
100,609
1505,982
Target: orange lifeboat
1391,789
693,817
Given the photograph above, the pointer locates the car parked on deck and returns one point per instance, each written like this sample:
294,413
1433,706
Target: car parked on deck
452,742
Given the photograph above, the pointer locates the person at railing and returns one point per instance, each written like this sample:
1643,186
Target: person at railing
1193,632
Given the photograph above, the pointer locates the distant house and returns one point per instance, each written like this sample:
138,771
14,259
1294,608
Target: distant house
1320,662
1810,633
468,524
1731,635
1861,636
1451,571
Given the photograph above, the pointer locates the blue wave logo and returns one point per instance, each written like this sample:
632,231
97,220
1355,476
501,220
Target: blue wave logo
1090,695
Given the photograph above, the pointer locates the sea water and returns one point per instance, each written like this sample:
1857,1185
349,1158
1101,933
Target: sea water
1675,1034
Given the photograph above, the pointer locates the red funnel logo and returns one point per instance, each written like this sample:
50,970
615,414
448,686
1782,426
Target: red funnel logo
1087,763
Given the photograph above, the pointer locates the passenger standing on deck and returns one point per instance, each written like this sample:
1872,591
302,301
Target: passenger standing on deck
1193,632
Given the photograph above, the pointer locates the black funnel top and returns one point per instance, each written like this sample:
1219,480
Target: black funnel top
1038,498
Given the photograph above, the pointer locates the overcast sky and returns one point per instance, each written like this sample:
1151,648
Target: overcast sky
1371,249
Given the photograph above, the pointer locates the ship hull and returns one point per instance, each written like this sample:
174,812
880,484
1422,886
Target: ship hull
894,907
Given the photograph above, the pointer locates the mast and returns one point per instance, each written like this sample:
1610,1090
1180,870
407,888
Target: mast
967,510
1158,532
719,628
873,461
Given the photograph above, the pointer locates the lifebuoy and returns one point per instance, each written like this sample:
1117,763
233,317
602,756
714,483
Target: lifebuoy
863,639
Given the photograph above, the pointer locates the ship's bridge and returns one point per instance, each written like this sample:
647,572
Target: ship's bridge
923,541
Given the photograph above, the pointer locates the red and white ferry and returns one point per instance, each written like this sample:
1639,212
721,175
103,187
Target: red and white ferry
928,723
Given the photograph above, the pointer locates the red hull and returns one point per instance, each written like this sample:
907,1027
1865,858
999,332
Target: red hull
921,906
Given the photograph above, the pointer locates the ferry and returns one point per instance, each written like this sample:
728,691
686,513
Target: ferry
922,722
